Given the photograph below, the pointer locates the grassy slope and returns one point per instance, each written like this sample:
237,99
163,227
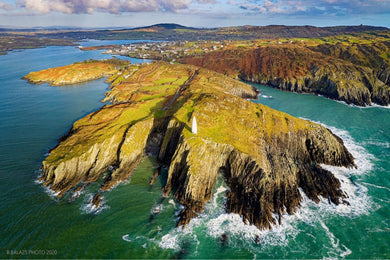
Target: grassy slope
74,73
149,89
266,151
357,65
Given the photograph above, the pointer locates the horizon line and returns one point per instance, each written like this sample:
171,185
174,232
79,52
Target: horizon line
70,27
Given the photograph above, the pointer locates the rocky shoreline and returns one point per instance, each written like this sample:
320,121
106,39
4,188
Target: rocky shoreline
265,156
358,74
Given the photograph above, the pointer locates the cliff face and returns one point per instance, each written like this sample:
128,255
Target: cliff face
264,155
374,56
323,69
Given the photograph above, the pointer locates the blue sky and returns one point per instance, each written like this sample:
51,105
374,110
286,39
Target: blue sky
198,13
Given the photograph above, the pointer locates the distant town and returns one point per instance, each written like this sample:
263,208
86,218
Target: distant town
166,50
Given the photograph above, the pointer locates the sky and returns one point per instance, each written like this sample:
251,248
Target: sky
195,13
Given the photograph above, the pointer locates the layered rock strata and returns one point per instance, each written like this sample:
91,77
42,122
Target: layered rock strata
358,74
264,155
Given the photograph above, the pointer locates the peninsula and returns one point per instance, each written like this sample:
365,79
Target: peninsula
265,156
76,73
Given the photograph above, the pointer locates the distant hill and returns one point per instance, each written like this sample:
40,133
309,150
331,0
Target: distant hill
165,26
172,32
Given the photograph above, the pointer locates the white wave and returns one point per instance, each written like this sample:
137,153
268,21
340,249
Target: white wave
215,222
373,105
156,209
170,241
380,106
360,202
338,251
52,194
37,181
376,186
356,193
377,143
126,238
265,96
77,194
363,159
140,239
89,208
172,202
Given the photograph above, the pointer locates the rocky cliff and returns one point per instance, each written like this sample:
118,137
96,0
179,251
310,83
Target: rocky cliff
264,155
355,73
375,56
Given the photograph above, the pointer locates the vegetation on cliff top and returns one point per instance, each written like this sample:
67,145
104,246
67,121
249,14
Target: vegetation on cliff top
354,69
76,73
265,155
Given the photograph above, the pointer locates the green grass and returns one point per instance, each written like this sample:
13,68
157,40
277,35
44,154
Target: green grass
165,80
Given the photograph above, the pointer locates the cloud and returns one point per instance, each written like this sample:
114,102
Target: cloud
206,1
7,7
110,6
310,7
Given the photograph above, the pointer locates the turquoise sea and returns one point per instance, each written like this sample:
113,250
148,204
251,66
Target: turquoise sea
35,224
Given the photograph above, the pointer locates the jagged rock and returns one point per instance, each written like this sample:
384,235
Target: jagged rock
185,216
266,173
265,155
96,200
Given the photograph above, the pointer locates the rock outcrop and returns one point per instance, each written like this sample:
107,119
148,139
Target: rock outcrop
357,74
264,155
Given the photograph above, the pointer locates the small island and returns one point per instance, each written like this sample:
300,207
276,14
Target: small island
77,72
265,155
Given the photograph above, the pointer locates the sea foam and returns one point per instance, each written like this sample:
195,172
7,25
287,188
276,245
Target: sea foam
215,222
89,208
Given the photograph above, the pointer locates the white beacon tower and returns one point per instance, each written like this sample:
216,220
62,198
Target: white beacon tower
194,127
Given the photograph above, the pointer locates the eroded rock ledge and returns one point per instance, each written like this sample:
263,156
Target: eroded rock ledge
265,155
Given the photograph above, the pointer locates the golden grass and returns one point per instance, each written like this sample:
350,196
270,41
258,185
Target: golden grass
71,74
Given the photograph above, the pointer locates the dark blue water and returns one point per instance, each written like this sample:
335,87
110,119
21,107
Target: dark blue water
34,224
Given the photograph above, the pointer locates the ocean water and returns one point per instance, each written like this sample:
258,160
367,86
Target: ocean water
35,224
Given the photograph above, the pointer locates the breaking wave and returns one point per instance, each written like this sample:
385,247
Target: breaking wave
214,222
265,96
89,208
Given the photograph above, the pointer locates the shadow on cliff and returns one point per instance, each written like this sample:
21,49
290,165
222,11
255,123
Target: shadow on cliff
161,124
